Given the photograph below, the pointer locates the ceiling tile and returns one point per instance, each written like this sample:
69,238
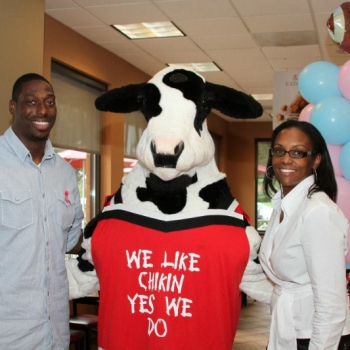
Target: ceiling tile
182,57
233,55
292,63
286,39
128,13
338,61
270,7
87,3
238,65
260,90
335,55
327,6
75,17
220,78
197,9
225,42
254,78
101,34
59,4
144,62
166,44
206,27
279,23
335,51
292,52
121,47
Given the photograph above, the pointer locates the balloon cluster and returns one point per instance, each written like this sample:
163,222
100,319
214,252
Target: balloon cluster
327,89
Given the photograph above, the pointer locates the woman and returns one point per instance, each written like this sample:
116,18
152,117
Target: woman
303,250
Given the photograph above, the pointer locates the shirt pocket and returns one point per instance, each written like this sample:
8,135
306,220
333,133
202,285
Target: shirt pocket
17,209
65,210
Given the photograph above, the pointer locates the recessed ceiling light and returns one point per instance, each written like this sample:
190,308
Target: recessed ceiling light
198,67
148,30
262,97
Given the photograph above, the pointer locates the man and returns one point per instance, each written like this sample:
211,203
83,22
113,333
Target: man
40,220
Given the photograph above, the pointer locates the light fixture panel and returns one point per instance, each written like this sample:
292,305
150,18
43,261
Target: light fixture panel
148,30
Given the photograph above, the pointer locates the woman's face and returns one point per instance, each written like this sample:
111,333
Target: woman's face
290,171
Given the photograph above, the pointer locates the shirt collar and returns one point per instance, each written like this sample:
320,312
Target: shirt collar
292,201
21,151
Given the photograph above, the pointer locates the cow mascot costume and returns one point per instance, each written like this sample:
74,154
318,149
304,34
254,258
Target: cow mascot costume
172,249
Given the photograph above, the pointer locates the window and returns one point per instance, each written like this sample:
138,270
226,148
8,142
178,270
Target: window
76,135
86,170
263,203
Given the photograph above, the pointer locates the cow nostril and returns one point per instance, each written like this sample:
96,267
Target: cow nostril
167,158
153,147
179,148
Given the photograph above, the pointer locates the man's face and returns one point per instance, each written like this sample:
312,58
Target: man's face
34,112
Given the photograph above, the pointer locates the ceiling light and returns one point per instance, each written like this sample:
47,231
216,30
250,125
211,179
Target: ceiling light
262,97
148,30
198,67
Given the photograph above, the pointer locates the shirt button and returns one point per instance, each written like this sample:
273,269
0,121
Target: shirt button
43,195
16,199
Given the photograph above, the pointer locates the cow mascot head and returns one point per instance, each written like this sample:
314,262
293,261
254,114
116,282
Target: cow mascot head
172,248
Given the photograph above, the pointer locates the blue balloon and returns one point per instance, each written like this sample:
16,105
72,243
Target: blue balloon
331,117
344,160
318,81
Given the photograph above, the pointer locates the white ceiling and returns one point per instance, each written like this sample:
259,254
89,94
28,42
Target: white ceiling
228,32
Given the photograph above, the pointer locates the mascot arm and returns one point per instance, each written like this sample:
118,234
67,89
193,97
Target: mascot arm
81,272
254,282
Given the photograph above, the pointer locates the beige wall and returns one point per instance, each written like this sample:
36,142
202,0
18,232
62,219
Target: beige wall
237,156
241,161
219,126
21,46
68,47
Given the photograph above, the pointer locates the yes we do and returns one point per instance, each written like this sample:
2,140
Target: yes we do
160,281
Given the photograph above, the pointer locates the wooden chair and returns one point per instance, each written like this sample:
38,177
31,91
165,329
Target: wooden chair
77,338
86,323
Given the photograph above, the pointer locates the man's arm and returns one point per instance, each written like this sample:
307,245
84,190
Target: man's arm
77,247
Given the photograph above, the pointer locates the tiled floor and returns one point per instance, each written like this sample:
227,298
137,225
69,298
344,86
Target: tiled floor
253,328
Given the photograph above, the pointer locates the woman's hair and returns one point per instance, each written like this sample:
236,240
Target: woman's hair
17,86
325,180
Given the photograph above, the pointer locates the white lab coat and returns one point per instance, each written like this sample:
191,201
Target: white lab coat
304,256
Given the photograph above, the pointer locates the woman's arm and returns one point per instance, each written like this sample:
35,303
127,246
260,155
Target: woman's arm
323,240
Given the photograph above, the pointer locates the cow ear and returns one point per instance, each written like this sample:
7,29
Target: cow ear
120,100
232,103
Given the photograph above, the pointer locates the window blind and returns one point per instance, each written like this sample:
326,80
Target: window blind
78,122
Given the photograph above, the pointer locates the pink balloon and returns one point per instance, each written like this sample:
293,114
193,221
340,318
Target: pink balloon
305,114
334,152
347,257
344,80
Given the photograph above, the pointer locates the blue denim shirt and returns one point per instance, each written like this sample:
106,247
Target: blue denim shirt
40,220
